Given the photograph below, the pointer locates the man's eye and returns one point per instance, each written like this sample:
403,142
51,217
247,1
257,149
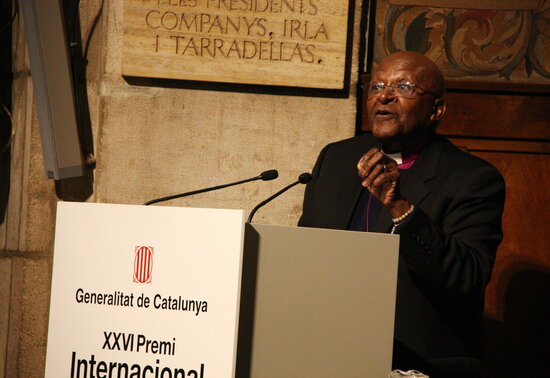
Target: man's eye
377,87
404,87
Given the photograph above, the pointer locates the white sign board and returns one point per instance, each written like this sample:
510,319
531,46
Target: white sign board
144,291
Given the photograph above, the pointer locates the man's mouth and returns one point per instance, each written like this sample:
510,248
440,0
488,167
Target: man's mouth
383,114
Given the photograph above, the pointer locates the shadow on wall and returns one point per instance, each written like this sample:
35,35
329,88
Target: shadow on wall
76,189
79,188
517,346
7,15
5,158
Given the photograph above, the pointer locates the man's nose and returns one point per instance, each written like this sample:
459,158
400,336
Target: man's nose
387,95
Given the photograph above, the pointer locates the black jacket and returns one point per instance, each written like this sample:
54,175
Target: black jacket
447,247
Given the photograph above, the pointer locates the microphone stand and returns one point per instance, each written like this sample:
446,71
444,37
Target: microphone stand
267,175
304,178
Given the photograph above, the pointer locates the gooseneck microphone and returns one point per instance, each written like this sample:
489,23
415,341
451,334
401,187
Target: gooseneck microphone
265,176
304,178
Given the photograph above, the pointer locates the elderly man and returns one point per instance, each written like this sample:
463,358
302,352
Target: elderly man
445,204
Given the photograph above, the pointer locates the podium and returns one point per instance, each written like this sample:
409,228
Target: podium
317,303
170,292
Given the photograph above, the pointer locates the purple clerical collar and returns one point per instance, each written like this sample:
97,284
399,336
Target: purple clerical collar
406,159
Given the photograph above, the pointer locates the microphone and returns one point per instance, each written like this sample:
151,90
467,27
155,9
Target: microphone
264,176
304,178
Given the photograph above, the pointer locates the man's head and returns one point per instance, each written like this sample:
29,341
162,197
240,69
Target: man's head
402,116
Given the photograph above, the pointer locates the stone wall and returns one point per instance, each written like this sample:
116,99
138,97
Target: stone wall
149,141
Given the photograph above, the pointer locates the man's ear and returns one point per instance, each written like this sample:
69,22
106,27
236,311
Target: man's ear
439,109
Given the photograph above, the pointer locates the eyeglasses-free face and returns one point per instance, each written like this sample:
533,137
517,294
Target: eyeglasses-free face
402,89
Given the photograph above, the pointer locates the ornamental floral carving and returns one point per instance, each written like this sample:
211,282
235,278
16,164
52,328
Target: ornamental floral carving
494,41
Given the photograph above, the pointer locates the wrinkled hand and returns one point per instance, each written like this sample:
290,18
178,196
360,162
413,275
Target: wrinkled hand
381,177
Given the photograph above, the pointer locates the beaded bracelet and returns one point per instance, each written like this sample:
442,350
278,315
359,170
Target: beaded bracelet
397,221
402,217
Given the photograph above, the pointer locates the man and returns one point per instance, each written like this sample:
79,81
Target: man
445,204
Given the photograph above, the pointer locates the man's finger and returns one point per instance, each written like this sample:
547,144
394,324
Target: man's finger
376,171
369,161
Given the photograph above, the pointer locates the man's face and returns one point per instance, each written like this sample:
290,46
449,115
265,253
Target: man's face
399,121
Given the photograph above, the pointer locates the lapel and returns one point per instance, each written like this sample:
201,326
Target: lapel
413,182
